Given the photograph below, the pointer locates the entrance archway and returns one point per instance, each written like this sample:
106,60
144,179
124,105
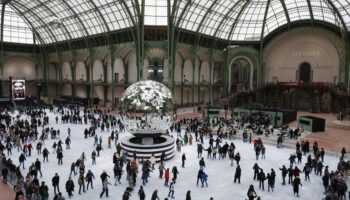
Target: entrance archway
155,71
241,74
305,72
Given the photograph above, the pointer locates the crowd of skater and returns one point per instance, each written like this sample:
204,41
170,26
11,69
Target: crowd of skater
21,133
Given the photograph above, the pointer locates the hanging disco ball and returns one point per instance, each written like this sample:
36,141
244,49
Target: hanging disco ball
148,108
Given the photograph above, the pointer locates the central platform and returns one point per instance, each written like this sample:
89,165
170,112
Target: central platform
143,150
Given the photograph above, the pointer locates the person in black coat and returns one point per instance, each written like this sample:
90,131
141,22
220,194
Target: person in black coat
270,182
141,193
261,178
59,157
273,178
296,183
325,181
188,195
38,167
290,174
343,152
307,171
199,176
89,176
175,173
4,173
155,195
237,158
284,174
70,187
126,194
21,160
56,183
256,170
202,163
238,174
183,160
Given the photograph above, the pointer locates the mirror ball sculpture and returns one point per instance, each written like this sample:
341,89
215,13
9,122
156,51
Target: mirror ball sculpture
147,114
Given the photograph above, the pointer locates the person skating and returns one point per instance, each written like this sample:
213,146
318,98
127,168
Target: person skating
284,174
4,173
237,158
105,187
45,155
290,175
72,169
201,163
199,149
161,169
296,183
175,172
270,182
251,193
59,157
104,175
152,159
199,176
38,167
21,160
299,156
256,170
325,181
89,177
70,187
155,195
188,195
273,179
238,174
343,152
261,178
183,158
319,168
81,182
141,193
93,157
204,179
126,194
306,171
44,191
171,189
56,183
166,176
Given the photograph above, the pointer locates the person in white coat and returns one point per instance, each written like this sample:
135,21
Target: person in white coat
152,160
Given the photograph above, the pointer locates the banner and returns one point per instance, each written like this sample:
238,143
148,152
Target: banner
18,89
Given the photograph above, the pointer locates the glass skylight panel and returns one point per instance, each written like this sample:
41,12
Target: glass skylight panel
195,14
15,28
343,7
298,9
250,22
216,16
156,12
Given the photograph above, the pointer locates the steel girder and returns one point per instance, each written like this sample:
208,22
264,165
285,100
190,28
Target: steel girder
285,12
344,32
310,11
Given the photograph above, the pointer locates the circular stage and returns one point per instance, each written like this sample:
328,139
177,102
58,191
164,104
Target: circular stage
161,144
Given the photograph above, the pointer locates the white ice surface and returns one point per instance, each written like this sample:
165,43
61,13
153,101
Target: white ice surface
220,179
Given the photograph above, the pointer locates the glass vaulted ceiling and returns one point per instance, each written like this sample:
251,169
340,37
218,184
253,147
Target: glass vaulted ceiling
244,19
241,20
